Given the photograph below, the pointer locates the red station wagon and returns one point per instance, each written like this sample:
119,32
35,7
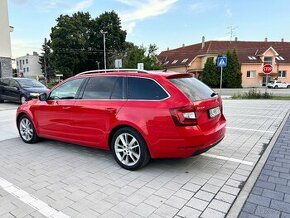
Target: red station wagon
138,115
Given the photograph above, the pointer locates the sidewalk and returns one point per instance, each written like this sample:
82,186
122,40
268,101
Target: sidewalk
270,195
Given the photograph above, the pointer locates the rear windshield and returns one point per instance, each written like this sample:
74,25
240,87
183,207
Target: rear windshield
194,89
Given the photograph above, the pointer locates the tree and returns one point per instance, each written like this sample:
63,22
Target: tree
211,75
44,61
232,76
140,54
110,23
70,43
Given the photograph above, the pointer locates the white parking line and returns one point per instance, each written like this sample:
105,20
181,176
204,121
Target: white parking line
255,130
228,159
30,200
252,115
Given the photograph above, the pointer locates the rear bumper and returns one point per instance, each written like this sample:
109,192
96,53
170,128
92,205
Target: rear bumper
190,141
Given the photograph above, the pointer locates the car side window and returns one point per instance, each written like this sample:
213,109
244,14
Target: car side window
68,90
103,87
13,83
145,89
4,82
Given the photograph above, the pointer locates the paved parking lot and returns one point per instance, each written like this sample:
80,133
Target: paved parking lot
54,179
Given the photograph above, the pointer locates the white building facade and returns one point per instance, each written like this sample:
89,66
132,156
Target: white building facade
5,41
28,66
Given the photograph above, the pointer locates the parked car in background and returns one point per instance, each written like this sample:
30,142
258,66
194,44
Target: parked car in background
278,84
20,90
137,115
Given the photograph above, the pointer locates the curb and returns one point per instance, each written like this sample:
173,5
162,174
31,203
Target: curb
244,193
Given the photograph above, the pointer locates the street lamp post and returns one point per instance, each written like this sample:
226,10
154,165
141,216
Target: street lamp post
104,38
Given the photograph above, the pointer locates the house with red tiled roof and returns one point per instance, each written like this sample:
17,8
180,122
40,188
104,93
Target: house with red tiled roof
252,56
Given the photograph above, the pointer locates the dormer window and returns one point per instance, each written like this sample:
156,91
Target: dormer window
268,60
174,62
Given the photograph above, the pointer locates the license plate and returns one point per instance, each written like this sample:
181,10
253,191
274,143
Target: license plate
214,112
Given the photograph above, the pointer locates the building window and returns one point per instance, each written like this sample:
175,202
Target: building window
26,61
251,74
24,69
268,60
22,61
282,73
27,69
184,60
17,63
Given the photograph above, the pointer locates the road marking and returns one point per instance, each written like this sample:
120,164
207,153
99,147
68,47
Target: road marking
258,108
228,159
252,115
30,200
255,130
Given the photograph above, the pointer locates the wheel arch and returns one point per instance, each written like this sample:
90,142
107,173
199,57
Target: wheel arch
116,128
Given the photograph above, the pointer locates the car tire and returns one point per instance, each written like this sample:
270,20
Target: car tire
276,87
1,100
288,87
23,99
130,149
27,130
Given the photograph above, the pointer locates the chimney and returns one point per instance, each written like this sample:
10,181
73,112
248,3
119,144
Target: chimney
282,40
236,39
266,39
167,48
202,42
183,45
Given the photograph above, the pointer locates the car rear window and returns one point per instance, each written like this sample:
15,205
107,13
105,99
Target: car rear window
194,89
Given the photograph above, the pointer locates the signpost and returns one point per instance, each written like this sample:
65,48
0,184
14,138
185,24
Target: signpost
222,62
118,63
140,66
267,69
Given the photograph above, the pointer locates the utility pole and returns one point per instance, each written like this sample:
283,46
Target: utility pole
44,59
104,38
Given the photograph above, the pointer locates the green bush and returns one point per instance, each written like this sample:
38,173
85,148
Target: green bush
253,94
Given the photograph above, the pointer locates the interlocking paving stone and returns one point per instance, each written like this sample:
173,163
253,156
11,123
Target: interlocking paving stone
85,182
270,195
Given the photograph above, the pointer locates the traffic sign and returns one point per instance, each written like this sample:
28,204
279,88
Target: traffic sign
222,61
118,63
267,68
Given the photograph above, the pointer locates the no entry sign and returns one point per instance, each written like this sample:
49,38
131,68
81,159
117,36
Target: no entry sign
267,68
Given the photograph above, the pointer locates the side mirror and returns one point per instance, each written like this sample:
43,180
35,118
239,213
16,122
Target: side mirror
42,97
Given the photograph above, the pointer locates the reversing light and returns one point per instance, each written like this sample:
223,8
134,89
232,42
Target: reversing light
184,116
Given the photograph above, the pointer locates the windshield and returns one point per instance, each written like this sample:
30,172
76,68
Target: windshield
30,83
194,89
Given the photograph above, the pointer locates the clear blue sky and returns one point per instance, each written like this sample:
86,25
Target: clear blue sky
166,23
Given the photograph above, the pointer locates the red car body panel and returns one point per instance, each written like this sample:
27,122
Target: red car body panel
92,122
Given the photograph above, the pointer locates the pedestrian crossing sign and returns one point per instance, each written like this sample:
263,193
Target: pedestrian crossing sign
222,61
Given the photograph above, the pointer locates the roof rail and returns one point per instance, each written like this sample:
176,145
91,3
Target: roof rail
113,70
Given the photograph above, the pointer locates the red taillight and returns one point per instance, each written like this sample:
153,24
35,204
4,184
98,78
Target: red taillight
184,116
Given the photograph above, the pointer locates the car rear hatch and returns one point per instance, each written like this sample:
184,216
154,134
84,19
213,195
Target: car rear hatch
205,108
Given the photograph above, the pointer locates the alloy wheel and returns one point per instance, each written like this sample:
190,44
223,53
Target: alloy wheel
127,149
26,129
